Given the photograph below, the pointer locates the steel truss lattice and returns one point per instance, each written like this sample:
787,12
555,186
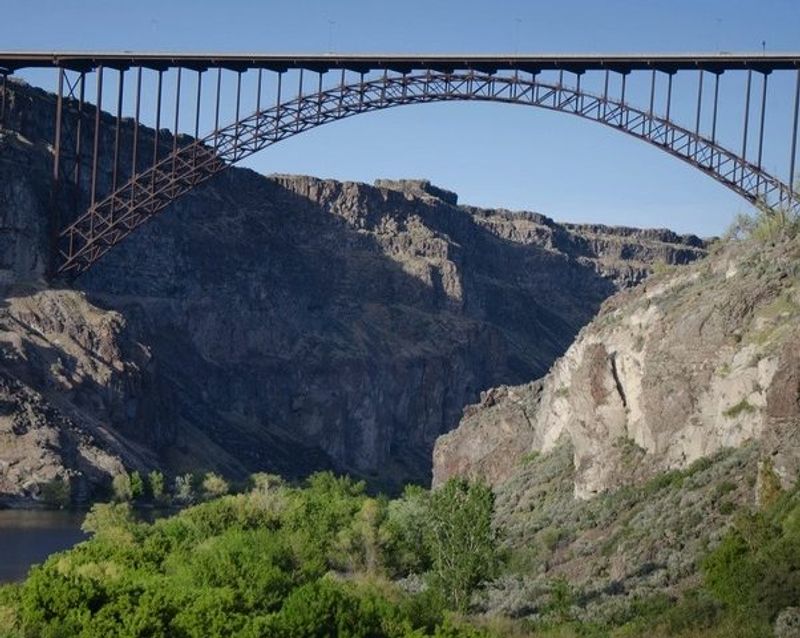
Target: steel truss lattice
111,219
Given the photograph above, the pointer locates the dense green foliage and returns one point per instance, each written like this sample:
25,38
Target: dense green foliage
326,559
322,560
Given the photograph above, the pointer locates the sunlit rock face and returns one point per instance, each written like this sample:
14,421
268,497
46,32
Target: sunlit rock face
696,359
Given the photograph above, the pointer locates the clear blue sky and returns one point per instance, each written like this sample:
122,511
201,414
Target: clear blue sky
492,155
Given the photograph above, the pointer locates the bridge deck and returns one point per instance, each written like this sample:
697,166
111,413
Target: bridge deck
576,63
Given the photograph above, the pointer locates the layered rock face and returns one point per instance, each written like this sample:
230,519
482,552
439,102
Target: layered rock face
356,321
290,323
694,360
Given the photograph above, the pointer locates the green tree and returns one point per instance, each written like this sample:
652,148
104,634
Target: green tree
363,542
404,528
121,486
316,516
137,485
156,482
110,521
56,492
214,485
461,541
184,488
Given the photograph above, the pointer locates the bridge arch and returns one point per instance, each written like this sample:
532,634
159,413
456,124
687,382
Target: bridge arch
113,218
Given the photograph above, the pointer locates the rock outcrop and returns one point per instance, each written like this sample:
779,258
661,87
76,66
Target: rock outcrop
696,359
290,323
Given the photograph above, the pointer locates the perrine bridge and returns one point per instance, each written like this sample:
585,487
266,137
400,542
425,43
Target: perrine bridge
735,111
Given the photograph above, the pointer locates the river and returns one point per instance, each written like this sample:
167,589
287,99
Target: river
28,537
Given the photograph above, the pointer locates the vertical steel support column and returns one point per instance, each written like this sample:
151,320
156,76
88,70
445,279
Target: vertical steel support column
96,144
319,96
57,140
117,127
699,109
197,116
79,129
278,103
157,128
258,107
763,116
299,101
238,106
714,118
669,104
652,102
605,96
216,107
55,216
793,157
746,118
622,99
157,131
341,93
198,97
135,142
579,97
177,123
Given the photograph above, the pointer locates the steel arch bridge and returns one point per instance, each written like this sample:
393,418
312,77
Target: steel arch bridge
350,85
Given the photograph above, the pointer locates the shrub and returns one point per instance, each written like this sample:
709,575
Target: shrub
184,488
756,567
265,482
56,492
743,407
110,521
363,543
121,486
214,485
768,224
768,485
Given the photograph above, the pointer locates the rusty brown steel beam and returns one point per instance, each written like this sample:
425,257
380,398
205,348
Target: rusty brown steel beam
486,63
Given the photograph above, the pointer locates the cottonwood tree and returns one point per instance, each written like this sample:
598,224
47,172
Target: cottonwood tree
461,541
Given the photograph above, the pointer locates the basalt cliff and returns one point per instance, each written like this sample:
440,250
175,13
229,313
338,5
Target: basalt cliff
282,323
694,360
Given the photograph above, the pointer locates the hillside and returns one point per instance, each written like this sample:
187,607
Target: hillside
676,409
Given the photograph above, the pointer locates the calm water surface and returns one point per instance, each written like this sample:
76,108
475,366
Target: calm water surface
28,537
